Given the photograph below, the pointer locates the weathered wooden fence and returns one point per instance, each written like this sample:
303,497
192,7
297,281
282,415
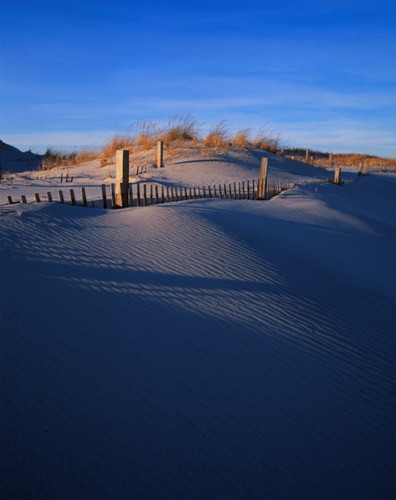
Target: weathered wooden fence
142,194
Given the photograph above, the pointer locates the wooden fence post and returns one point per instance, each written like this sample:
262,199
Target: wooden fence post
36,197
49,196
10,202
337,175
122,177
130,194
61,197
360,168
138,194
104,196
84,197
306,155
23,199
160,154
262,187
73,197
113,195
144,195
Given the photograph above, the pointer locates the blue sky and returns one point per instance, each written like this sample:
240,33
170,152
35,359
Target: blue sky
321,73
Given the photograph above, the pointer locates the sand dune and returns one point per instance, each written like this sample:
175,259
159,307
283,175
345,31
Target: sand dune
204,349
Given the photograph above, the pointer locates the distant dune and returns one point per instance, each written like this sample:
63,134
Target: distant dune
14,160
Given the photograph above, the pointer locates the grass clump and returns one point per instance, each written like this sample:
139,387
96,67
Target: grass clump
242,138
108,151
53,158
267,140
218,136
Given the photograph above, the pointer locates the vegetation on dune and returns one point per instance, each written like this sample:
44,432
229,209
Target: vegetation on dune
53,158
142,136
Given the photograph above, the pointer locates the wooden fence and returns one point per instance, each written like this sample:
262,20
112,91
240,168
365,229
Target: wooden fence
142,194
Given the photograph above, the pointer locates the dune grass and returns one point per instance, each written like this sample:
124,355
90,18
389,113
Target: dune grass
53,158
180,131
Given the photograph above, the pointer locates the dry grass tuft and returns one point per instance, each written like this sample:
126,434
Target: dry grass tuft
108,151
267,140
242,138
218,136
53,158
147,134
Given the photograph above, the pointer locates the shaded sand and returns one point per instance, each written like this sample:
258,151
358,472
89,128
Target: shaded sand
204,349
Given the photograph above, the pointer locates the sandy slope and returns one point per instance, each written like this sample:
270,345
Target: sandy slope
204,349
187,168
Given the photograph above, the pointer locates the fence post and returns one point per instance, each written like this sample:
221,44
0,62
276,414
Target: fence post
156,195
144,195
360,168
36,197
262,188
306,155
84,197
160,154
130,194
49,196
61,197
138,194
337,175
10,202
104,196
23,199
122,177
72,196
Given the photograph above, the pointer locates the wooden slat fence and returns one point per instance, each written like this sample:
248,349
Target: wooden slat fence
142,194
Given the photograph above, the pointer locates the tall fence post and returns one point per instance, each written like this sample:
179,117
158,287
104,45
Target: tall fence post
262,187
160,154
122,178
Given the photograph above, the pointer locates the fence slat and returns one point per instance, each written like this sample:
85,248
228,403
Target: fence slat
138,194
113,196
104,199
84,197
144,195
73,197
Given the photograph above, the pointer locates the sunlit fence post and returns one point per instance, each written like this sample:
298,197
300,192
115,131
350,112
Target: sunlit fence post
160,154
337,175
262,185
122,178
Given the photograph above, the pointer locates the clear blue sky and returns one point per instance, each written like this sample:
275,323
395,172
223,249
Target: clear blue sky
320,72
